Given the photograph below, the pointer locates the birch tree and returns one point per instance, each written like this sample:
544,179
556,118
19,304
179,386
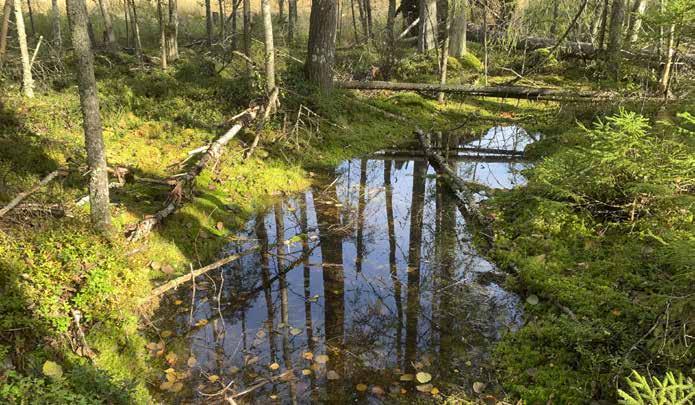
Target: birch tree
162,35
208,22
615,35
635,23
89,101
172,38
459,25
269,46
6,11
108,25
55,27
427,40
323,23
27,80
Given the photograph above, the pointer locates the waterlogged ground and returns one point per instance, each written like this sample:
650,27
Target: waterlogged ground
383,297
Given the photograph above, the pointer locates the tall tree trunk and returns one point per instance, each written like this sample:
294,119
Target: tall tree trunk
127,25
556,16
363,18
615,36
323,22
208,22
108,25
220,6
668,62
291,20
27,80
162,35
136,30
269,46
247,33
427,39
459,26
444,56
281,10
173,31
234,28
354,21
368,15
390,24
635,24
31,18
89,100
55,27
485,40
6,11
604,25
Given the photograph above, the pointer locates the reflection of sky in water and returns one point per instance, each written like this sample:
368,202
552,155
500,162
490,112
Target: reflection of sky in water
458,310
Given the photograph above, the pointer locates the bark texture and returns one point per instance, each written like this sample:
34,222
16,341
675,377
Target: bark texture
208,22
162,35
27,80
89,101
323,23
427,39
635,24
615,35
6,11
269,46
459,22
108,25
173,31
55,27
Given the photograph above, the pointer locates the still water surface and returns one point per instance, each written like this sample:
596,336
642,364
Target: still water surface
385,283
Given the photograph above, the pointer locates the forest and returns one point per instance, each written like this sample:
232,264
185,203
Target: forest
347,201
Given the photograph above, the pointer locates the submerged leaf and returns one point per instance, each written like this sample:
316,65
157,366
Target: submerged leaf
332,375
361,387
423,377
321,359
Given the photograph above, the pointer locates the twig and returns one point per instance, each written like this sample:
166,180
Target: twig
21,196
260,384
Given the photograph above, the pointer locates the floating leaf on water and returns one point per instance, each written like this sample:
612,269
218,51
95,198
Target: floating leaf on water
171,358
234,370
532,299
260,334
273,397
201,322
192,361
176,387
361,387
274,366
252,360
321,359
166,385
295,331
306,371
308,355
377,390
478,387
178,302
332,375
314,298
213,378
169,371
257,342
282,325
469,363
52,369
168,269
435,391
407,377
172,377
152,346
424,387
316,367
423,377
404,391
418,365
167,333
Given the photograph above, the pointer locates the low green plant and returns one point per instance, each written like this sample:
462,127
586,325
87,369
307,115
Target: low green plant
671,390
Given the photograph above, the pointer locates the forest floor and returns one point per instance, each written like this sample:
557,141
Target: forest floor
549,232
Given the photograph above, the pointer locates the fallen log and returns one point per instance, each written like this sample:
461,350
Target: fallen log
21,196
488,151
516,92
185,181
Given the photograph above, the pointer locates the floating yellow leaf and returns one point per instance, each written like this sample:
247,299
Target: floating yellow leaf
167,333
295,331
435,391
234,370
407,377
424,387
152,346
321,359
260,334
169,370
201,322
306,371
308,355
176,387
166,385
332,375
423,377
213,378
274,366
52,369
171,358
192,361
171,377
361,387
178,302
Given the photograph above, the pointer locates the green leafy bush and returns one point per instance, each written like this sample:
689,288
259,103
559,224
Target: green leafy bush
672,390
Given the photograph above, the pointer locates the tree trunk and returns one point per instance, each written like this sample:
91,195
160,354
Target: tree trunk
427,40
666,71
162,35
635,24
234,28
55,27
108,25
556,16
485,41
604,24
247,33
323,22
281,10
127,25
368,15
291,20
615,35
31,18
459,27
173,31
390,22
27,80
269,46
208,22
220,6
444,56
136,30
354,21
94,143
6,11
363,18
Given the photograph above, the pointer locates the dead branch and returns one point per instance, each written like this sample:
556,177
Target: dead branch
267,110
21,196
186,181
